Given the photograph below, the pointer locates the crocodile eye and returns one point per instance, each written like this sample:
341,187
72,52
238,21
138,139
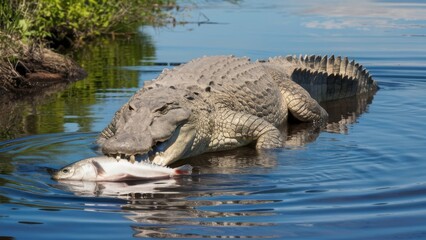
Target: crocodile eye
163,110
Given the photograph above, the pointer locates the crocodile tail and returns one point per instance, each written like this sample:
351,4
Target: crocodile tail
329,78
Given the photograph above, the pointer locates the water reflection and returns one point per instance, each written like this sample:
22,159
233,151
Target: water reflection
342,113
173,208
19,113
68,108
384,14
125,190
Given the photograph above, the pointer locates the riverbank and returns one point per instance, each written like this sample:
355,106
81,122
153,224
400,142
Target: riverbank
30,34
28,69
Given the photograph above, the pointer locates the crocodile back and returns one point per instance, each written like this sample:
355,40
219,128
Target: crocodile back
229,82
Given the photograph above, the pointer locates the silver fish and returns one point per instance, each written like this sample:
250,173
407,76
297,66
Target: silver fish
111,169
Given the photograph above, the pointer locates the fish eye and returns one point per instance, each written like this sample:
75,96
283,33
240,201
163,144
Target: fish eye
65,170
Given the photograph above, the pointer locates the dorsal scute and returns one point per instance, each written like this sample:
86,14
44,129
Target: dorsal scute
211,73
338,76
332,64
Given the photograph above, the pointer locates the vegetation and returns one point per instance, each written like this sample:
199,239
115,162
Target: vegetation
74,21
27,26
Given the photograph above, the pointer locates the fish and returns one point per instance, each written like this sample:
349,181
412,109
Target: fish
109,169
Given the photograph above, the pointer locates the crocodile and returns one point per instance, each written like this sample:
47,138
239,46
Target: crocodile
218,103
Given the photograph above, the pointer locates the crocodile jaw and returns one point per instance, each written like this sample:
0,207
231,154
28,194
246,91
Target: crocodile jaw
177,147
162,152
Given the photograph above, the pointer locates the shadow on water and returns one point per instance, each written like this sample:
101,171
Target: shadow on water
53,108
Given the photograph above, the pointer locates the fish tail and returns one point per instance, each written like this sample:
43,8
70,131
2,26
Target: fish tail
183,170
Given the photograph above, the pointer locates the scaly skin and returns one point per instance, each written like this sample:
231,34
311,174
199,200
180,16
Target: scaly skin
223,102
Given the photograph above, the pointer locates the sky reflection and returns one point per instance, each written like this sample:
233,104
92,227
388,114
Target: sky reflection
365,14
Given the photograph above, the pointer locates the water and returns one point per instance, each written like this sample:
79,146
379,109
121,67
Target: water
360,179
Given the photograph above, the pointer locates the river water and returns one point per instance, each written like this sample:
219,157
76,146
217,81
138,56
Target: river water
361,178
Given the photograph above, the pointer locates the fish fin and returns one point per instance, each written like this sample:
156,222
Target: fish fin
122,177
183,170
99,169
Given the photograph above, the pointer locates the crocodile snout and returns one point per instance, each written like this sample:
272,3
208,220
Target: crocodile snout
128,144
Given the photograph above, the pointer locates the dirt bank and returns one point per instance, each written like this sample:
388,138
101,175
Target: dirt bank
28,70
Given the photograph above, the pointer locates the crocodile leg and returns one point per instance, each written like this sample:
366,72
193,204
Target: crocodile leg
235,129
301,105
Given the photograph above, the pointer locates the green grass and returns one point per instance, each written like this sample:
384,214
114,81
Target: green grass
75,21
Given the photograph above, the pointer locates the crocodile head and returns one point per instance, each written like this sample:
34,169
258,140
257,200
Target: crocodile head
156,124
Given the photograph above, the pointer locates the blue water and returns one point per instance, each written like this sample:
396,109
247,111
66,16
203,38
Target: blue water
361,179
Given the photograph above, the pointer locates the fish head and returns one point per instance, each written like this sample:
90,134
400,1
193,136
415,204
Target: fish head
76,171
157,124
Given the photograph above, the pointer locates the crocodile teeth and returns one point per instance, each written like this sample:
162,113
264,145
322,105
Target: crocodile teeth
118,157
132,159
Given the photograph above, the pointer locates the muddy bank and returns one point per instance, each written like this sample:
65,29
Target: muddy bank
29,70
